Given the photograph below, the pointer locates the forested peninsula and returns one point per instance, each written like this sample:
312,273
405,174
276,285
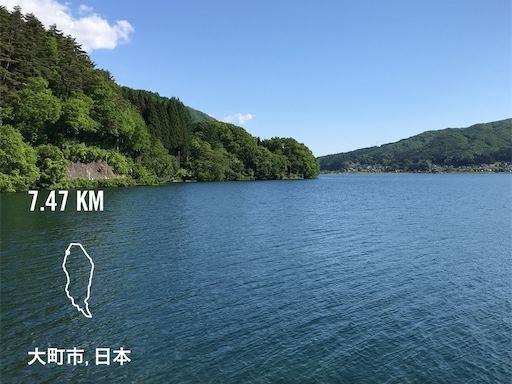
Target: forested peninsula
66,124
483,147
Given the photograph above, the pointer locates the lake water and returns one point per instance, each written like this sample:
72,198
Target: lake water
343,279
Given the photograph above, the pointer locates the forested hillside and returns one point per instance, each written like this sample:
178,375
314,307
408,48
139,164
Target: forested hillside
57,109
197,116
167,119
480,144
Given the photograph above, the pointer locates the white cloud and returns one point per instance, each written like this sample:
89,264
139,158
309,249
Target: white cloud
90,30
85,9
239,118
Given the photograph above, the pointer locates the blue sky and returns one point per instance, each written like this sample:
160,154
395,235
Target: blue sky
336,75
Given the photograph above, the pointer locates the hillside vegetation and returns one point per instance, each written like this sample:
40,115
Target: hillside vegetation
57,108
480,144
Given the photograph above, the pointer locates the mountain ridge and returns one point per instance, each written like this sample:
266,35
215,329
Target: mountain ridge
482,143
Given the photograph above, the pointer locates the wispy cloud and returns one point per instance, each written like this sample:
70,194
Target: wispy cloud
85,9
90,30
239,118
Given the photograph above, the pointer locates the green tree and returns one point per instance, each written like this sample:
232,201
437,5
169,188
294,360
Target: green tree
300,160
51,164
207,165
133,136
36,109
167,120
18,169
268,165
157,160
76,117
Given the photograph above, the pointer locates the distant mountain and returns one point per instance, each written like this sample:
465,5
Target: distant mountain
195,115
479,144
198,116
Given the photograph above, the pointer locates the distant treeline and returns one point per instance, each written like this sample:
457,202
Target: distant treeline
56,107
479,144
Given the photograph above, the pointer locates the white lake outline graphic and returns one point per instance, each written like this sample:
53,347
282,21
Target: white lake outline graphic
85,311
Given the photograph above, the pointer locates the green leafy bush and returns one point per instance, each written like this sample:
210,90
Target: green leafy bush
52,165
74,152
18,170
157,160
143,176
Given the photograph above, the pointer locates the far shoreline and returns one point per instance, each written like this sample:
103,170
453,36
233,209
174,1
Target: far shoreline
508,172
